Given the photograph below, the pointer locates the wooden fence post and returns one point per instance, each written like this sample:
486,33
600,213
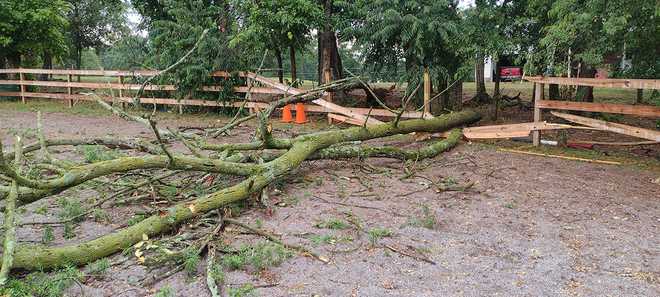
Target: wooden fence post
538,94
121,92
427,91
22,78
69,91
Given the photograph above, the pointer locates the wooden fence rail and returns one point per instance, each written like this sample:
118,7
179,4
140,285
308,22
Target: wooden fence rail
639,110
263,86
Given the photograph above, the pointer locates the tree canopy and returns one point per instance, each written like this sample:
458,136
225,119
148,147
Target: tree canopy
384,38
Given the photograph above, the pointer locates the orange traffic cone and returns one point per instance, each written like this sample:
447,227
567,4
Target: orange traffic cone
286,114
301,118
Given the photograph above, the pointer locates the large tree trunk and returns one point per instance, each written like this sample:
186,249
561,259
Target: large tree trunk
3,65
292,57
496,79
305,147
496,91
78,60
481,95
328,52
280,66
584,93
553,92
329,57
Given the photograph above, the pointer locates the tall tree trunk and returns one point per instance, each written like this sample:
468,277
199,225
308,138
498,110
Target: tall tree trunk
496,79
78,60
292,56
584,93
280,70
481,95
640,96
48,64
3,65
328,52
496,91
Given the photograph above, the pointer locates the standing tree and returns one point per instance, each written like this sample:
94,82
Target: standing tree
329,58
280,24
174,35
94,23
31,27
486,27
589,33
421,34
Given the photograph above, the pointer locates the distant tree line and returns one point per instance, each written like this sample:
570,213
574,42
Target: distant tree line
394,40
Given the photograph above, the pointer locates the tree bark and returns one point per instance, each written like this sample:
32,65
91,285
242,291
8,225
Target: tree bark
292,57
302,148
3,65
585,93
78,60
553,92
496,91
328,51
481,96
280,70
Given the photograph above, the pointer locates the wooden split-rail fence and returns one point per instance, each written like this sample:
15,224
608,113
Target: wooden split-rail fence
540,103
117,82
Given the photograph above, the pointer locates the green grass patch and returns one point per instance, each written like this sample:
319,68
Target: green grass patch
426,219
165,291
98,267
323,239
258,256
247,290
333,223
376,234
42,284
191,259
70,209
135,219
98,153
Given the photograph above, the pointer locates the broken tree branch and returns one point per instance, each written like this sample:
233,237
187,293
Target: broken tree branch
258,177
9,244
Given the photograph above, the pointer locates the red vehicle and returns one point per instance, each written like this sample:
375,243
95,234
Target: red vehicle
510,73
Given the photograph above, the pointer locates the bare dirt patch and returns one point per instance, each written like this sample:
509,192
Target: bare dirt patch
530,226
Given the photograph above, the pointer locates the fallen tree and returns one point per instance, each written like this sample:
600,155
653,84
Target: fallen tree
259,163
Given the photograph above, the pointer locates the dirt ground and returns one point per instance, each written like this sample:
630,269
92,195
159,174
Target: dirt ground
530,226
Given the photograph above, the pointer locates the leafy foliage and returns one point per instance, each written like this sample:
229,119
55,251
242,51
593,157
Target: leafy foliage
30,27
333,223
596,30
42,284
94,23
174,36
258,256
419,32
377,234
